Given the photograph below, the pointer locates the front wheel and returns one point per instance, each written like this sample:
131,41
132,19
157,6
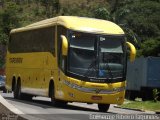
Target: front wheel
103,107
54,101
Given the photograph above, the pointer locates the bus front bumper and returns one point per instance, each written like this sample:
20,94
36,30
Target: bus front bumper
74,93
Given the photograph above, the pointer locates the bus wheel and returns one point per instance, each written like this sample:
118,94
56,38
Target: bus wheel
52,95
15,94
18,90
54,101
14,85
103,107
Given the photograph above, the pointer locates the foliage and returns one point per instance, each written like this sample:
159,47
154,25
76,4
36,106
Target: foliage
51,6
138,18
102,13
3,38
155,95
142,20
150,47
141,105
84,8
9,18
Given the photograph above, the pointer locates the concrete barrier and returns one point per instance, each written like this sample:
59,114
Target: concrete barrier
8,111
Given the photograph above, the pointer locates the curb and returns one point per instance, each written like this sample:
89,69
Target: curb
9,106
12,111
136,110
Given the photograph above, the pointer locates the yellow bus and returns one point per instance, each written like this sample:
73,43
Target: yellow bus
69,59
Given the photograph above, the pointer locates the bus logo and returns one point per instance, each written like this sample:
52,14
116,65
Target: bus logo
97,90
15,60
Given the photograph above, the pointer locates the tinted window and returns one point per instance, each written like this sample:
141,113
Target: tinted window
40,40
111,44
82,41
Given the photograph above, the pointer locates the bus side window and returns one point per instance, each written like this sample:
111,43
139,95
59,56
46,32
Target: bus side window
61,59
38,40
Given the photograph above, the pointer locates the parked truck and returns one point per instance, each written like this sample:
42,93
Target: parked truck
143,76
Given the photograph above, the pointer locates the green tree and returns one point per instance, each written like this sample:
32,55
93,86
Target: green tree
56,6
150,47
142,20
51,6
9,18
102,13
141,16
3,38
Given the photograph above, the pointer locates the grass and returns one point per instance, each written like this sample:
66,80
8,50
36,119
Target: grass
142,105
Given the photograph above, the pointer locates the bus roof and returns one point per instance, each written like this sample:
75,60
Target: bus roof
84,24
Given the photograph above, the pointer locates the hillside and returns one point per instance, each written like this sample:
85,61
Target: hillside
138,18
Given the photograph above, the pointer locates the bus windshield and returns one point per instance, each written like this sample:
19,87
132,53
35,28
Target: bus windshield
96,57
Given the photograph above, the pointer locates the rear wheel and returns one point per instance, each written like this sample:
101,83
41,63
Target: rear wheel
18,94
14,88
18,90
103,107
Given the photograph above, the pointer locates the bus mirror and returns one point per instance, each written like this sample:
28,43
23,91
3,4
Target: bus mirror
132,51
64,45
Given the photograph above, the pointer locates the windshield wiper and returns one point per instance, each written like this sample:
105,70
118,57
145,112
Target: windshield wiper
109,70
91,69
107,66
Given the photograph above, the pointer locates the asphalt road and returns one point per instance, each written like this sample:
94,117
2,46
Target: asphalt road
41,107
